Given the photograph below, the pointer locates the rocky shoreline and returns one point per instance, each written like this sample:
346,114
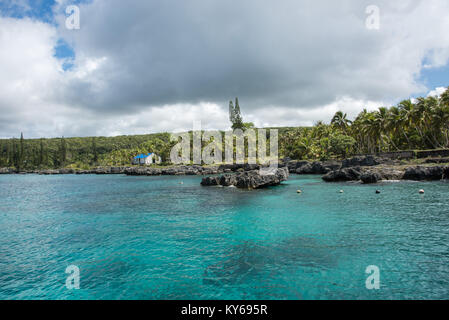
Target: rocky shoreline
374,175
365,169
144,171
380,173
253,179
371,169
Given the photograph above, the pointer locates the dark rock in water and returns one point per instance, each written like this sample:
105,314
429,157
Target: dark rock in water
370,177
253,179
361,161
228,180
346,174
373,175
211,181
425,173
324,167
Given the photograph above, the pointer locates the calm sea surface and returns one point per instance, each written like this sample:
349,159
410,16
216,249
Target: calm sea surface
154,238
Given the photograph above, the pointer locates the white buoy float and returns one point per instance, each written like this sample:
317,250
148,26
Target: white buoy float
341,191
421,191
298,191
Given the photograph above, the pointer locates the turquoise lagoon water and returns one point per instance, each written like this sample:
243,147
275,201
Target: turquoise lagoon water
154,238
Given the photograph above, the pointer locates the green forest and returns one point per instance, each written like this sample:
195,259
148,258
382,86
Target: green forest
418,124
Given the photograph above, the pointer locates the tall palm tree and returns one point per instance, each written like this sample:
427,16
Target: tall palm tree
380,125
394,125
368,129
341,121
406,110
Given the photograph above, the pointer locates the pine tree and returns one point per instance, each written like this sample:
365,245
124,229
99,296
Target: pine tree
235,115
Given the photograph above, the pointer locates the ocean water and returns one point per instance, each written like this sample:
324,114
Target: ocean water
154,238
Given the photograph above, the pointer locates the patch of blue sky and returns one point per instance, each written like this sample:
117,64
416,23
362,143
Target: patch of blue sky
42,10
65,52
435,77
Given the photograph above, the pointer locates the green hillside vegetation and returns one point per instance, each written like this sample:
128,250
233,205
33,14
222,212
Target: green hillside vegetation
411,125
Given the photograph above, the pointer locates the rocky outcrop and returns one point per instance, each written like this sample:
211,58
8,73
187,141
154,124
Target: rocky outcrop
191,170
293,165
346,174
324,167
420,173
379,174
253,179
99,170
374,175
146,171
172,171
361,161
370,177
318,167
390,173
315,167
235,167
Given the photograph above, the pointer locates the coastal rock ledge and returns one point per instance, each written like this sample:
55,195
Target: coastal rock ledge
254,179
374,175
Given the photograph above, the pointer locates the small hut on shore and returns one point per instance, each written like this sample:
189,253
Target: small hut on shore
146,159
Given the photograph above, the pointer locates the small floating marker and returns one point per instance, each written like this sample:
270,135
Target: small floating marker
341,191
421,191
377,191
181,182
298,191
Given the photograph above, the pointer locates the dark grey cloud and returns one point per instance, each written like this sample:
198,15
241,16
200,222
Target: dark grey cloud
146,66
288,53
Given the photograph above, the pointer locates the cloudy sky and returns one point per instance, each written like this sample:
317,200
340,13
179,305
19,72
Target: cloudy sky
148,66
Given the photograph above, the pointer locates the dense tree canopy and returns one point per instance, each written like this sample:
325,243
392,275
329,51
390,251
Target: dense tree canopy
419,124
81,152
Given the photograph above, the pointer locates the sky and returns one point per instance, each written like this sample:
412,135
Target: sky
136,67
